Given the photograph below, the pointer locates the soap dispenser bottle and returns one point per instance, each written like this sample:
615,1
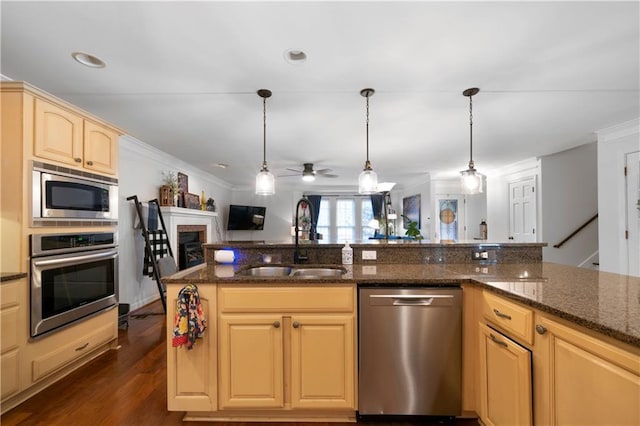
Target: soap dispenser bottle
347,254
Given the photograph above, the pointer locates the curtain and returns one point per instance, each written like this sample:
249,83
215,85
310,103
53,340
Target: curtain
314,200
377,204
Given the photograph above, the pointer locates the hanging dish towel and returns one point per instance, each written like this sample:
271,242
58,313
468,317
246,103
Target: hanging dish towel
190,322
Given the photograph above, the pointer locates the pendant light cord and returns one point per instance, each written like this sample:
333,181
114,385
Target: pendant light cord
367,128
471,132
264,133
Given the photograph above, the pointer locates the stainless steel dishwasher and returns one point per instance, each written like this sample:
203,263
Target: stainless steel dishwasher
410,351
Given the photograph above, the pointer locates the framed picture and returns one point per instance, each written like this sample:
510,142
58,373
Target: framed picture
411,210
192,201
183,183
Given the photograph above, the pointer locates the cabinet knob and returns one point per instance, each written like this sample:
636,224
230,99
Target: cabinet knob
541,329
89,163
77,160
276,324
296,324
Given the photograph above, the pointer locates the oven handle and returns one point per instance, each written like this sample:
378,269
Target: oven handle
75,259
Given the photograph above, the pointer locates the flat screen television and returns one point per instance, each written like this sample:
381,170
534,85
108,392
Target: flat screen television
246,218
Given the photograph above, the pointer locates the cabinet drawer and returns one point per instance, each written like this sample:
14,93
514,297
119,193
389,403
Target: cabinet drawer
53,360
9,327
10,293
516,320
286,299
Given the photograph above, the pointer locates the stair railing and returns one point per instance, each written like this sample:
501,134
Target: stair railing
580,228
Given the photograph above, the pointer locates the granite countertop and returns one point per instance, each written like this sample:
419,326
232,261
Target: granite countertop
601,301
11,276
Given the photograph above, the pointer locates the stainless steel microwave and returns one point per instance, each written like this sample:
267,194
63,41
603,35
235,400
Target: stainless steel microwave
59,193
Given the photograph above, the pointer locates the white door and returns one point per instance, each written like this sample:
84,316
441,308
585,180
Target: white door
450,218
632,165
522,210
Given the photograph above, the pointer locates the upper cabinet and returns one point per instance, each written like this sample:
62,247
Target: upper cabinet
66,137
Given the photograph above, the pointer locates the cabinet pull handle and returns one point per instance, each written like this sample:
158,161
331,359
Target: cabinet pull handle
541,329
499,342
89,163
276,324
296,324
77,160
501,315
82,347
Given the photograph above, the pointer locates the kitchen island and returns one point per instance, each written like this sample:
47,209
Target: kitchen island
565,317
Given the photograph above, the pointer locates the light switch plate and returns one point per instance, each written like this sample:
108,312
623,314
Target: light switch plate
368,255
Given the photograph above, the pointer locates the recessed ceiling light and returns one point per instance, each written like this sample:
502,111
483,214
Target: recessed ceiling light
88,60
222,165
295,56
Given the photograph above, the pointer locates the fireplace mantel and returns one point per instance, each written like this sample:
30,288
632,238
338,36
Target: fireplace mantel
174,216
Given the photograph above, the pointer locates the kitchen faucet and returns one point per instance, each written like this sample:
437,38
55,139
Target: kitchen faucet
297,257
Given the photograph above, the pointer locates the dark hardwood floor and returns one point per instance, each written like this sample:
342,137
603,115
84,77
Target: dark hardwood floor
125,387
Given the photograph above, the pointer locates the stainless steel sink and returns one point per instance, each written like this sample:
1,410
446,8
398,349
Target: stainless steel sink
317,272
266,271
288,271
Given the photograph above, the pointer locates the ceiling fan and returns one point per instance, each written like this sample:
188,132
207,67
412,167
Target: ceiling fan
308,174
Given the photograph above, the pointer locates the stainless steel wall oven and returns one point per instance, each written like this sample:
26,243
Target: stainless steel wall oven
73,276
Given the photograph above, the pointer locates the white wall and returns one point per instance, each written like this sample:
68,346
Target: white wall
278,218
140,173
569,196
613,143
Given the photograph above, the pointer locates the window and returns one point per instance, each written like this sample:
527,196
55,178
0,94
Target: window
345,218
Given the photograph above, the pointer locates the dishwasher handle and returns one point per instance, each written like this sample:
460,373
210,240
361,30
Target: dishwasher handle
411,299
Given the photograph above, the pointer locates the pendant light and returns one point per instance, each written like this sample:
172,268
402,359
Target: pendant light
470,179
368,180
265,181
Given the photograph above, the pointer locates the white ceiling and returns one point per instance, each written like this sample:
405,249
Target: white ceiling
183,76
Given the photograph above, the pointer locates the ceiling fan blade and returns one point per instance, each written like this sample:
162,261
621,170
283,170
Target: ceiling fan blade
323,171
327,175
297,174
293,170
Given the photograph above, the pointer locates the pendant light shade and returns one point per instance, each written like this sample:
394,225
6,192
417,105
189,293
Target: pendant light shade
265,181
368,179
470,179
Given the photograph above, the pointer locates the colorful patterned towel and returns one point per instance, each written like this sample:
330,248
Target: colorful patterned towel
190,322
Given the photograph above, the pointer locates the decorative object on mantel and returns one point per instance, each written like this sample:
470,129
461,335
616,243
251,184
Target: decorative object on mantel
192,201
211,205
169,189
183,188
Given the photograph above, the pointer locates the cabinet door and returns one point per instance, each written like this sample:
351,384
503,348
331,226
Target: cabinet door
58,134
585,380
322,361
251,361
505,380
192,374
100,148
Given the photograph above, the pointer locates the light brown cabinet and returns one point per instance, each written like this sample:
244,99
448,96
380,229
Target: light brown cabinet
583,379
13,305
505,380
577,376
192,374
273,347
66,137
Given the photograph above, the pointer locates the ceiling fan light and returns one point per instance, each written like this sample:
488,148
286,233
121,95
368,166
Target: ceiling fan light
368,182
471,182
265,182
308,177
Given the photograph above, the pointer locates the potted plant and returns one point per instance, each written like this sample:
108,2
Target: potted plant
412,230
